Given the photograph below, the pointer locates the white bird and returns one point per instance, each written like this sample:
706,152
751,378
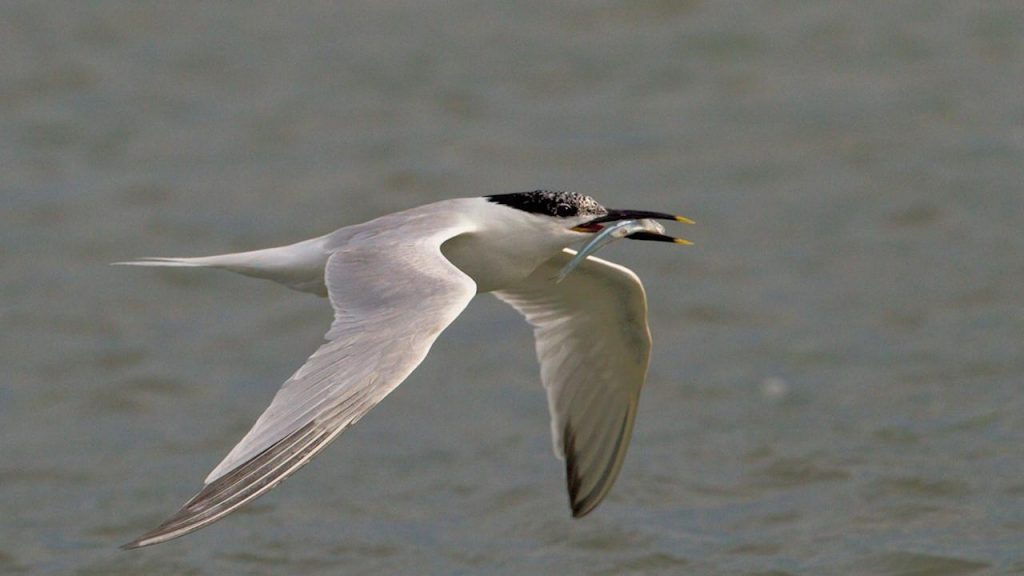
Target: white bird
396,282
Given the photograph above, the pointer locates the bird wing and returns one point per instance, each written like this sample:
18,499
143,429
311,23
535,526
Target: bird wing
593,346
393,293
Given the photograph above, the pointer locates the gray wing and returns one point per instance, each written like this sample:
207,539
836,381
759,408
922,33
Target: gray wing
593,346
392,296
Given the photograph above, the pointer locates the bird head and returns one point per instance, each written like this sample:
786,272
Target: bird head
582,214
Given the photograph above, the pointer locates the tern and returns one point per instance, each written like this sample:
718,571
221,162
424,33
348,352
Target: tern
396,282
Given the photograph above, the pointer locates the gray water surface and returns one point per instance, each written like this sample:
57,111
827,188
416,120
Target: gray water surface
836,384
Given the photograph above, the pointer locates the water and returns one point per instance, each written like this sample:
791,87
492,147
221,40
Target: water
836,380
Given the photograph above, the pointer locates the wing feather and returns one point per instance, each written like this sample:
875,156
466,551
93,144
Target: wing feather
593,346
392,297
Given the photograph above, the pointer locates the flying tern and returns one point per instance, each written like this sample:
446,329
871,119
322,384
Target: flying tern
396,282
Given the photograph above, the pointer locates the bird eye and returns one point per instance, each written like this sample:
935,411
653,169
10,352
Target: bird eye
564,210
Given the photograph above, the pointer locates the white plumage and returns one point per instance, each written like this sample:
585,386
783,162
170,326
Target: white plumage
395,284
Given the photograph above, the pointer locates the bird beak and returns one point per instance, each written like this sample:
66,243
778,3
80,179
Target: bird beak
658,238
616,215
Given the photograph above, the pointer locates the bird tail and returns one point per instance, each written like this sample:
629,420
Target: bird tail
226,261
299,266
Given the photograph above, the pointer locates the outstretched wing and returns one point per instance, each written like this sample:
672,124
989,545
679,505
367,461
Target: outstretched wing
593,345
393,294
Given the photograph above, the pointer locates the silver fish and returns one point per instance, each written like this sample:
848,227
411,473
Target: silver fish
611,233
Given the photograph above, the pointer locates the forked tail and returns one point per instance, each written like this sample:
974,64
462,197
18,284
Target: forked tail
221,261
299,266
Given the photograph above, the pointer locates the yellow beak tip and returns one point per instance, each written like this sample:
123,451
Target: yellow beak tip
684,220
682,241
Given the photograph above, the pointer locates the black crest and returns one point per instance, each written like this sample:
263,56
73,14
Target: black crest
552,203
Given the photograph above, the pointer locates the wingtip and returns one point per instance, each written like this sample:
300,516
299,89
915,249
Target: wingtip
154,536
582,506
579,504
158,535
577,510
139,542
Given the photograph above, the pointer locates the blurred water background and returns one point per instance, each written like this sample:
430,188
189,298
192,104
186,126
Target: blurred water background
836,384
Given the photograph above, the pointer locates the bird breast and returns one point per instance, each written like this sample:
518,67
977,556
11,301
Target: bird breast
494,262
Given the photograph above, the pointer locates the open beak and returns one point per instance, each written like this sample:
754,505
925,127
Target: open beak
617,215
